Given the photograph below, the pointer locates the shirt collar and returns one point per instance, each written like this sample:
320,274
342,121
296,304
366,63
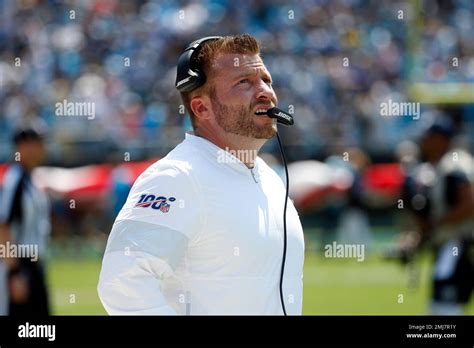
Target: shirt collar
220,156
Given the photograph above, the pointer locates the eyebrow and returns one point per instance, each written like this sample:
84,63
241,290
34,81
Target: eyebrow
249,73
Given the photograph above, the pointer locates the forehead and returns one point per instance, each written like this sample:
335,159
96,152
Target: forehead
229,65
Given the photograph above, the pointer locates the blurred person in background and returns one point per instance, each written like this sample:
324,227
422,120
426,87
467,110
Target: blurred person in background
442,197
24,222
407,242
353,225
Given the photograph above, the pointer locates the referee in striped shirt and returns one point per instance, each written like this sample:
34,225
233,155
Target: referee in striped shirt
25,223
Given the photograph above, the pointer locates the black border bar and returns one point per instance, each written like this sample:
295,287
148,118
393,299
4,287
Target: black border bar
327,330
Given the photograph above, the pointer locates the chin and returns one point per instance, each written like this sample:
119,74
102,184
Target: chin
266,134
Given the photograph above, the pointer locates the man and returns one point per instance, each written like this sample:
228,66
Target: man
442,196
202,229
24,226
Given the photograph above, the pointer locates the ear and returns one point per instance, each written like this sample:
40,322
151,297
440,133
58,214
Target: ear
200,105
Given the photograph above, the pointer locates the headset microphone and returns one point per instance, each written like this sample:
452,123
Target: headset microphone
286,119
281,116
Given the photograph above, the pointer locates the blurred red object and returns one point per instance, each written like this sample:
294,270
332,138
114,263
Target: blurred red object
312,182
88,186
384,179
3,169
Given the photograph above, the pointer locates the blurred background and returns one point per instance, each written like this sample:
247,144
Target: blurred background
333,63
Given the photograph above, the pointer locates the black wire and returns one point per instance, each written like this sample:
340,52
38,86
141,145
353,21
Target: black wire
284,226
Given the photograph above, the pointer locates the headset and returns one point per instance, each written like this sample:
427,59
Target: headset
189,77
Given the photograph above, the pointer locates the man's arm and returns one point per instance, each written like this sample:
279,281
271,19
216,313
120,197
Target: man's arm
11,209
17,282
5,236
459,197
162,215
464,207
139,257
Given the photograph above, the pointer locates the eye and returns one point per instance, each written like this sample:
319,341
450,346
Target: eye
268,81
244,81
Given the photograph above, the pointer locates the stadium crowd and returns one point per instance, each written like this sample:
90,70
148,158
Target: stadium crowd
332,62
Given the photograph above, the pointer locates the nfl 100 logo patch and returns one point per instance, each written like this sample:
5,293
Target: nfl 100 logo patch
155,202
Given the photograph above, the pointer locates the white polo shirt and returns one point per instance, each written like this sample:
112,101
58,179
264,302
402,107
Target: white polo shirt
201,233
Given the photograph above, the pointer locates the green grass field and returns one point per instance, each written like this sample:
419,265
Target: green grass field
331,287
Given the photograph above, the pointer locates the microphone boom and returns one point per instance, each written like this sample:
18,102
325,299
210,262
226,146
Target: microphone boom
281,116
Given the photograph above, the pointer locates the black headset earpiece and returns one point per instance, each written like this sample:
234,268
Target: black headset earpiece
188,76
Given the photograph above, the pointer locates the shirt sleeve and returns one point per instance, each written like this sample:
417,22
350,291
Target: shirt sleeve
167,196
10,199
135,266
148,241
454,181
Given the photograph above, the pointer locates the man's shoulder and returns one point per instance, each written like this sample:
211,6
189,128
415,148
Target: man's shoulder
12,180
13,173
179,166
458,162
165,169
163,194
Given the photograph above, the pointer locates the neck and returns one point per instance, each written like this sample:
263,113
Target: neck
244,148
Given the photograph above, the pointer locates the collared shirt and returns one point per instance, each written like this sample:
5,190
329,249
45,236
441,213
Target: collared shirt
201,233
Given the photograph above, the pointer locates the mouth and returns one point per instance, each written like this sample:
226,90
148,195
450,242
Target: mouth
262,110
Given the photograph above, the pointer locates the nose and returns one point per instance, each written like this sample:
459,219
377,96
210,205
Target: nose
266,93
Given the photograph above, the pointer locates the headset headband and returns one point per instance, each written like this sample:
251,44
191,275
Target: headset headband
188,76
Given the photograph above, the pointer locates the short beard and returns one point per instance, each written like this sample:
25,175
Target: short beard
239,120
